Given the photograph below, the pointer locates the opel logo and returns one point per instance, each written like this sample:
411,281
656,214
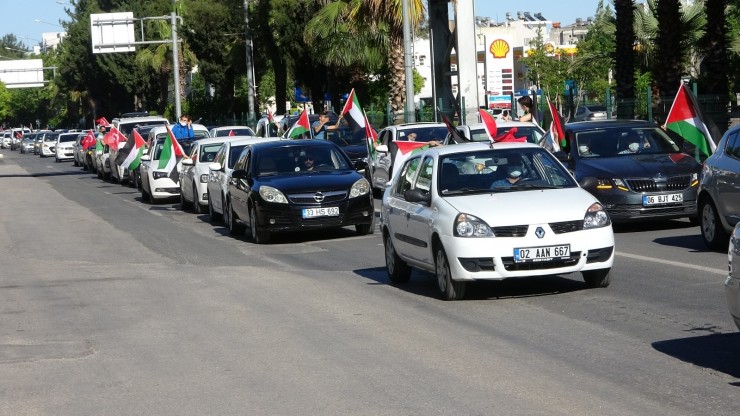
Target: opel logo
539,232
318,197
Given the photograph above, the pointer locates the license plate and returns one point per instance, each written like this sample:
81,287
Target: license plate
662,199
320,212
533,254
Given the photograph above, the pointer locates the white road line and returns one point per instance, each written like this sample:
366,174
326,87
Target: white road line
674,263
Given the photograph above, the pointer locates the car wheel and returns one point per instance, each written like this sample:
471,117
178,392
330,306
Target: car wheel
213,215
597,278
259,235
449,288
712,232
184,204
234,227
196,204
398,270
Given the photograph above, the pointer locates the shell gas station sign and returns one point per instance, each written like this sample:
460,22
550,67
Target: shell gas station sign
499,71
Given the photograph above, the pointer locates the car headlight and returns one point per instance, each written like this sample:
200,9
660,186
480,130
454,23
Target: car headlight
467,225
271,194
694,179
596,217
359,188
204,178
160,175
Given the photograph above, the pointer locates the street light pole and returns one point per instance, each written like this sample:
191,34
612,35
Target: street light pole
408,63
175,61
250,66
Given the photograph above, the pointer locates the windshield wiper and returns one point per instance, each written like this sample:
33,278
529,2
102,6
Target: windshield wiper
467,190
535,186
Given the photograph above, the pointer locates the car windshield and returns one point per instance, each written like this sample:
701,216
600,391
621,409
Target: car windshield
345,137
300,160
234,153
208,152
531,133
237,131
501,170
623,141
423,134
51,137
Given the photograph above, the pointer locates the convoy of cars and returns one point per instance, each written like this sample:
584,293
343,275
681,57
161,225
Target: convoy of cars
463,211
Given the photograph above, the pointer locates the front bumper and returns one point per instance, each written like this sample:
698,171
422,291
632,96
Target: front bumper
163,187
493,258
624,206
65,153
288,217
732,292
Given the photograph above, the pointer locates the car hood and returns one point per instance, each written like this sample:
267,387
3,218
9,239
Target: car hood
525,207
637,166
311,182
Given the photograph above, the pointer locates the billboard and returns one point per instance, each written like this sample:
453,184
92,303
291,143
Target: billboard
25,73
499,70
112,32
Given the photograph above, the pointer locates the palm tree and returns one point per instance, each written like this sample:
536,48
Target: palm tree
668,69
624,57
715,42
379,22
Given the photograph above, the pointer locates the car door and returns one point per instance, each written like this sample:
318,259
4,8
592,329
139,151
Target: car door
728,180
381,173
398,209
238,188
215,187
419,215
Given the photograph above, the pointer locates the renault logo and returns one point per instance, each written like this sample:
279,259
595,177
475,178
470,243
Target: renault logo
539,232
318,197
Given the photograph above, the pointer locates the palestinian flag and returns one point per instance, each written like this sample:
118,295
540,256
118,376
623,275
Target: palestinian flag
685,120
352,112
88,141
170,156
405,150
454,133
557,133
129,157
301,126
372,137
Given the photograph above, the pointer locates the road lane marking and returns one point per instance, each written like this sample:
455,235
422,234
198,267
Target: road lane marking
674,263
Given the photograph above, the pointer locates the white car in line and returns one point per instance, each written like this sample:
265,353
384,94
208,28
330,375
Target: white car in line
231,131
156,185
126,125
521,215
220,172
194,172
47,144
64,147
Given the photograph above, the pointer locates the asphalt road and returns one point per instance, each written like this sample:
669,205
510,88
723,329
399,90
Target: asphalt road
111,306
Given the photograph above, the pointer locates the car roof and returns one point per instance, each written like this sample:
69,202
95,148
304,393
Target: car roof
212,140
243,140
230,127
161,129
286,143
129,120
407,126
474,146
602,124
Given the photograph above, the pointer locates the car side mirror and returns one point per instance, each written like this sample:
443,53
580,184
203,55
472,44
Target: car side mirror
239,174
145,158
360,165
382,148
215,166
188,162
561,156
418,196
589,183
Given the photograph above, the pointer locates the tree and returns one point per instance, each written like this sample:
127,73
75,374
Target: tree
714,73
595,54
624,57
669,56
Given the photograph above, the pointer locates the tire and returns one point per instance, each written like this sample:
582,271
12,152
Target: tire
398,270
449,288
196,204
365,229
213,215
712,232
597,278
234,227
184,204
259,236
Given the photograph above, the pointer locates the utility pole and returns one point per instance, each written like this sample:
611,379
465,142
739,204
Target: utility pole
175,60
408,63
250,66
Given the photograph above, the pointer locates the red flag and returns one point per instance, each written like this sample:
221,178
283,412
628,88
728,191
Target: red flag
270,116
556,128
102,122
406,147
113,138
509,137
370,132
88,141
301,126
231,133
489,123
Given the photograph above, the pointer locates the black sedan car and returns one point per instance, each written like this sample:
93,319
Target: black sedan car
296,185
634,168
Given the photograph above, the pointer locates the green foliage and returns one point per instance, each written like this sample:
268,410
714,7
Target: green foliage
594,57
545,71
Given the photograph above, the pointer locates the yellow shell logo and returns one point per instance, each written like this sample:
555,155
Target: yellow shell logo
499,48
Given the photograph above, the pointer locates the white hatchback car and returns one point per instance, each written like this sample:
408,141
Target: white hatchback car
475,212
194,172
64,147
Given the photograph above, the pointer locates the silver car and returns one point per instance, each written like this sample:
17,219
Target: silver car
718,199
732,283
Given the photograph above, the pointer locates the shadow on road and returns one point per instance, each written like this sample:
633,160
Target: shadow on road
714,351
425,284
39,175
642,226
691,242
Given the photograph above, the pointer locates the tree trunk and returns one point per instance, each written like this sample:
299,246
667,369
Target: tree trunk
398,76
715,42
624,58
669,56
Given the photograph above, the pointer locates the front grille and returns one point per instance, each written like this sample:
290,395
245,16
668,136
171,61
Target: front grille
511,231
678,183
309,199
642,185
512,266
674,183
322,221
566,226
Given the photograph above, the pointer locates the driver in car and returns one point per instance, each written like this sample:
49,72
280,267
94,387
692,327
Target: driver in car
513,175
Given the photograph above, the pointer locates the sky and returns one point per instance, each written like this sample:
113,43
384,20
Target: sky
19,15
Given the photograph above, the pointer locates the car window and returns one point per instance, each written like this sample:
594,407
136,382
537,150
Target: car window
241,162
408,171
126,128
424,180
732,147
219,158
244,131
623,141
208,152
531,133
424,134
234,155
